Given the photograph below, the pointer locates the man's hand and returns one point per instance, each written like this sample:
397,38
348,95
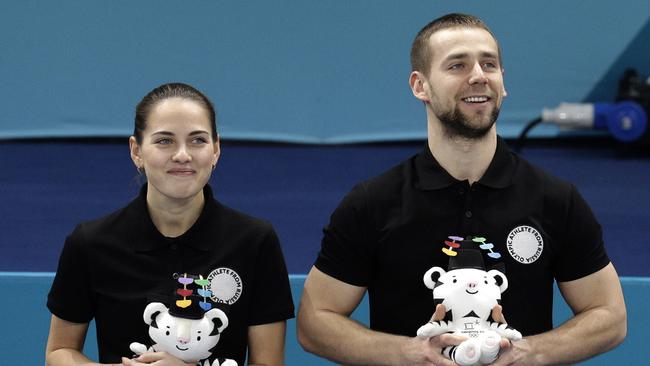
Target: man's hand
497,315
428,351
155,358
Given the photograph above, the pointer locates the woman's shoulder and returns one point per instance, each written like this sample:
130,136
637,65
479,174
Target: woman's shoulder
118,221
235,218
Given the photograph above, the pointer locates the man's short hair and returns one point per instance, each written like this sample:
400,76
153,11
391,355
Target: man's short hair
421,54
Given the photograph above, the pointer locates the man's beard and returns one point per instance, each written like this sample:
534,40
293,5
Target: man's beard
457,124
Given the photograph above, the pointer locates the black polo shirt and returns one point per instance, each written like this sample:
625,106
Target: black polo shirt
111,268
388,231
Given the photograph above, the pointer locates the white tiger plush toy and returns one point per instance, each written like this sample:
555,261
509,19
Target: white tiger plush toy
190,340
469,293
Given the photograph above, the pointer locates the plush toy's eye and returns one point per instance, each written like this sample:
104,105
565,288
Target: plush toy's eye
486,282
455,280
198,339
167,333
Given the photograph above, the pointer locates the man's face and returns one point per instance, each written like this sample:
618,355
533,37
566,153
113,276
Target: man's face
465,81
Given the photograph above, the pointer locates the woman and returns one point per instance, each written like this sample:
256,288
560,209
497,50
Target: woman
110,269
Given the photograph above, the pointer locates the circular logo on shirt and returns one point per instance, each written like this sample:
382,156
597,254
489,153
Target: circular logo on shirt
525,244
226,285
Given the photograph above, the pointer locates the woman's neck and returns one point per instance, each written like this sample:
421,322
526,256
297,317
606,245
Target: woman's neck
173,217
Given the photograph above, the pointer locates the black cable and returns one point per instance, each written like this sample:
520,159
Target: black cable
519,144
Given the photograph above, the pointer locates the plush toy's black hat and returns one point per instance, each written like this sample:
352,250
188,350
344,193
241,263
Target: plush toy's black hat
469,256
469,253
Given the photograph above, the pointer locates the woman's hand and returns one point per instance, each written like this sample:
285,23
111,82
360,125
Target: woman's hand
155,358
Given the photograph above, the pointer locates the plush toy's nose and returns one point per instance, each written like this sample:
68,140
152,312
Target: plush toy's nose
471,285
183,340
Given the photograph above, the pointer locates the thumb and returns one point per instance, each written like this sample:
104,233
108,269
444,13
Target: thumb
440,312
497,314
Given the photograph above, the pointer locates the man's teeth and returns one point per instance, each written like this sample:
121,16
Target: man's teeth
476,99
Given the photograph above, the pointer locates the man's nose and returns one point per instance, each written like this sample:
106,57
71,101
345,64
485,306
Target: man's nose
478,75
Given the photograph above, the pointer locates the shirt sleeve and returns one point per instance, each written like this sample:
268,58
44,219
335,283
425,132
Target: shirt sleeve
583,250
345,248
70,295
271,289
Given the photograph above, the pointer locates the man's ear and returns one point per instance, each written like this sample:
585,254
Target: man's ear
503,74
419,86
134,147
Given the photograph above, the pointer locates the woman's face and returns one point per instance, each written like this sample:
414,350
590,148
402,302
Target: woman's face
177,151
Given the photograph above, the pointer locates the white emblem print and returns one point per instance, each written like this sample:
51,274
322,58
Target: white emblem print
226,285
525,244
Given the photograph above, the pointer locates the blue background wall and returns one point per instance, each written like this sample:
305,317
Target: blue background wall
27,323
293,70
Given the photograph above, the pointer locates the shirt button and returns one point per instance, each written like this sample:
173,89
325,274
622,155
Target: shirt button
468,214
174,246
461,191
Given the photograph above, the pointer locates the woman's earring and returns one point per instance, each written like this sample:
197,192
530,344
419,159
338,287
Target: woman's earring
140,170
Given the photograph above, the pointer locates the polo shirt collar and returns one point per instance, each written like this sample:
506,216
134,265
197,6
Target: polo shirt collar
147,237
431,175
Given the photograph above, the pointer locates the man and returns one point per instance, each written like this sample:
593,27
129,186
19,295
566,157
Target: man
388,231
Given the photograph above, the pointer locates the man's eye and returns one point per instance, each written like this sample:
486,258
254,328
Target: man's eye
456,67
490,65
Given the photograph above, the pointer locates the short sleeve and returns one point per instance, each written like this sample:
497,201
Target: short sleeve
70,295
271,296
345,253
583,251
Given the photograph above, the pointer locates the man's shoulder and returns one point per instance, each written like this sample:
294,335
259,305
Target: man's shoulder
532,175
389,183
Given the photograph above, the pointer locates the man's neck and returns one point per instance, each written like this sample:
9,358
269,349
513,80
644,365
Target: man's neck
462,158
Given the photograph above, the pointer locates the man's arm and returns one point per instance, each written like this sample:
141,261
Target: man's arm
324,328
599,324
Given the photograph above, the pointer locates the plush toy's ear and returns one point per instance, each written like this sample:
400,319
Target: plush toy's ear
151,312
219,319
432,276
501,279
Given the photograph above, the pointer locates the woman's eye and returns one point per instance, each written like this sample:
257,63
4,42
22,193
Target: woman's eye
199,140
164,141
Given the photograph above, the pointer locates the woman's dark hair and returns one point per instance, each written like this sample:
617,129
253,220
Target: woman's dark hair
171,90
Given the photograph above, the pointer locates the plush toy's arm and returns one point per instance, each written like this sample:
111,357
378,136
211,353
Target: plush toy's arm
434,328
220,362
139,348
229,362
506,331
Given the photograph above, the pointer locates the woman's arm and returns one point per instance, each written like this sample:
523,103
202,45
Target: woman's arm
65,343
266,344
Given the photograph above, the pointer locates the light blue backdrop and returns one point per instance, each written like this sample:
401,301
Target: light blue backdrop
316,71
26,320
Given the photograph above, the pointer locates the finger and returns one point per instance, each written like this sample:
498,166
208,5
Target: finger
505,343
443,361
129,362
151,357
439,314
447,339
497,314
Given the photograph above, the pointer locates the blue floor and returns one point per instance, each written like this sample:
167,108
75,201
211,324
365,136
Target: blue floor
47,187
